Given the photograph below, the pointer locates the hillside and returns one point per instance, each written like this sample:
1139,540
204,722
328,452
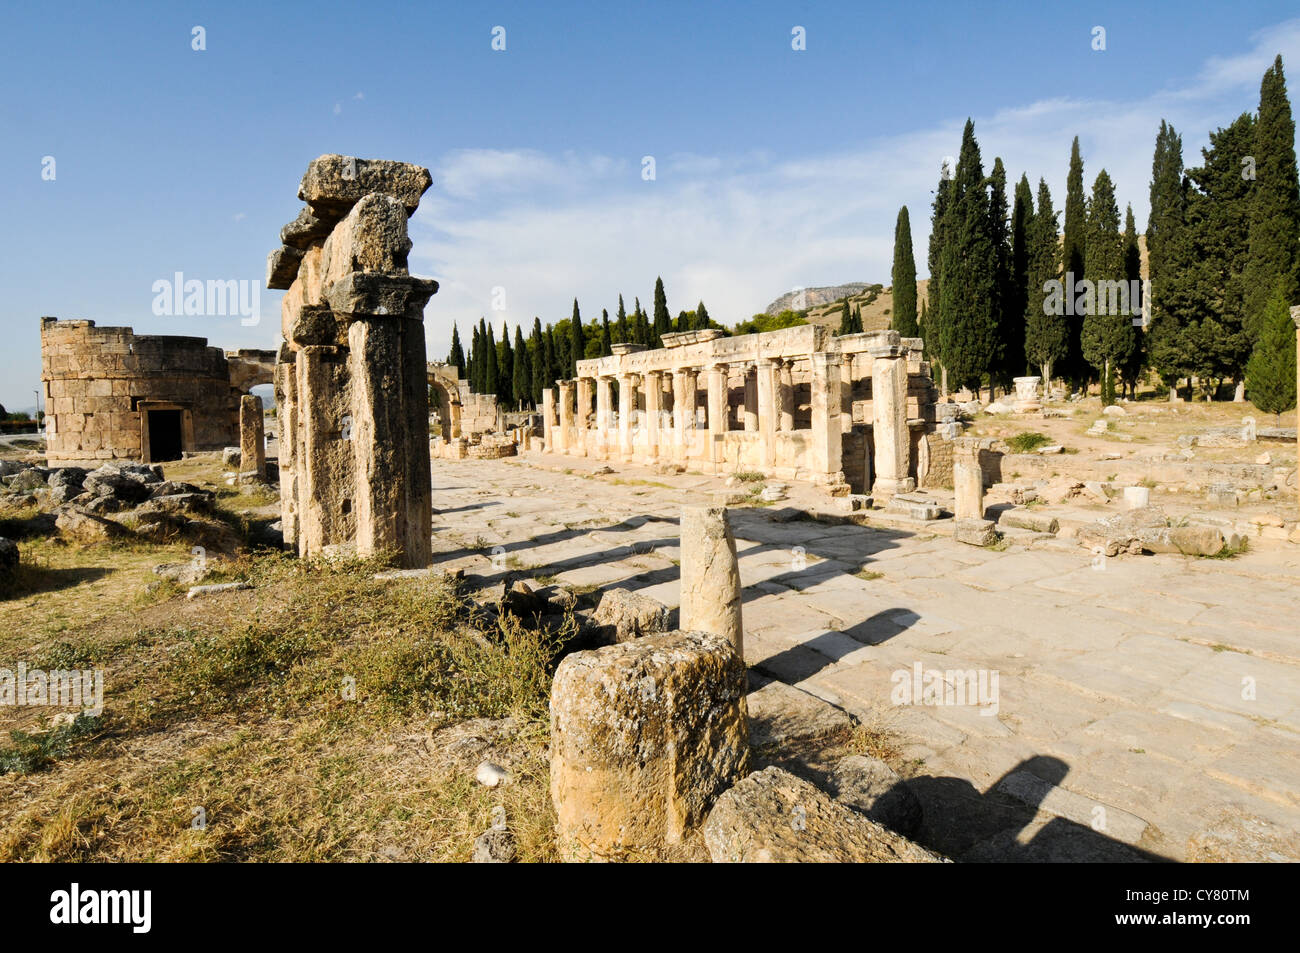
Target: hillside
825,305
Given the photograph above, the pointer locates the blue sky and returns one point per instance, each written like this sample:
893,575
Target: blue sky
774,167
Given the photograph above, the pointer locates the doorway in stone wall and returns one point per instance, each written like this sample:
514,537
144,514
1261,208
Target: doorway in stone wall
165,436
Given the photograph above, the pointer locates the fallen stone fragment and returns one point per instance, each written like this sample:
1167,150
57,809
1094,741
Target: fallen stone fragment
79,525
1187,540
196,591
774,817
975,532
496,845
1028,519
623,615
874,789
782,715
490,775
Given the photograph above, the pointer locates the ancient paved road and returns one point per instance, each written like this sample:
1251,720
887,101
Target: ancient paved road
1161,689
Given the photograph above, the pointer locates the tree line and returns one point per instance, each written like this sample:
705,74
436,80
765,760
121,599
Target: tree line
1013,288
518,370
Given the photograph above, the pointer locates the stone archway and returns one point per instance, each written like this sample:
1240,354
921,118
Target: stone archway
445,380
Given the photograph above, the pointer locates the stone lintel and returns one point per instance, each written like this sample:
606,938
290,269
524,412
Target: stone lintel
887,351
362,294
332,184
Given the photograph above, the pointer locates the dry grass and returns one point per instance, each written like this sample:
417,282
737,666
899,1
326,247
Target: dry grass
304,716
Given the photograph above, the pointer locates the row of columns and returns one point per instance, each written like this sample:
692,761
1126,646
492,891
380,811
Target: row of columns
768,409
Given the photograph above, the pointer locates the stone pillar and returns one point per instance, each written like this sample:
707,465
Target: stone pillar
604,410
967,478
548,417
710,576
252,440
767,409
626,411
750,415
827,430
1027,395
785,394
889,421
579,442
286,402
718,424
683,414
1295,316
654,395
566,439
324,463
390,441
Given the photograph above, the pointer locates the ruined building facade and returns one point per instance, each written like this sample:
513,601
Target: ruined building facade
111,394
351,382
852,413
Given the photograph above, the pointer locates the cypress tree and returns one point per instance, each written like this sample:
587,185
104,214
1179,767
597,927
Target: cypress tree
1073,256
1270,374
903,276
968,332
663,323
938,222
554,365
621,331
1107,333
506,367
1046,342
702,319
577,341
490,382
456,357
606,341
1016,294
473,363
846,319
1165,228
1000,235
521,385
1275,206
1130,365
539,361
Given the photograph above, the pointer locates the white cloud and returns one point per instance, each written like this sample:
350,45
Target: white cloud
739,230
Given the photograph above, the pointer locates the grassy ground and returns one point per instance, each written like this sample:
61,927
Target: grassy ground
320,715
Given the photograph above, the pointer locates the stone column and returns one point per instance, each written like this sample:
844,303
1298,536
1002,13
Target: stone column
967,478
286,402
565,432
767,410
604,410
889,421
548,415
710,576
683,414
1295,316
785,394
252,440
626,411
390,441
827,431
580,438
750,415
654,395
718,424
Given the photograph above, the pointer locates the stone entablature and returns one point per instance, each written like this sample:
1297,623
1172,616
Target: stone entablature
797,403
102,384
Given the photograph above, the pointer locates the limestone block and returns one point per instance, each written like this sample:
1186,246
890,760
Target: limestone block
372,238
282,267
774,817
623,615
644,736
874,789
710,575
1028,519
974,532
304,230
334,183
361,293
1187,540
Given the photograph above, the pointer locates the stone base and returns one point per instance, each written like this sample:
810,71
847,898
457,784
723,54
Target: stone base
975,532
884,489
914,507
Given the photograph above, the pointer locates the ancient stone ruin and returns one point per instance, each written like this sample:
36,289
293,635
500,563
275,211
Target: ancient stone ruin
849,413
111,394
351,382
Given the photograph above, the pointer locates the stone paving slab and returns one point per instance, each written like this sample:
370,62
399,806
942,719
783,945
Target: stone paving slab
1110,687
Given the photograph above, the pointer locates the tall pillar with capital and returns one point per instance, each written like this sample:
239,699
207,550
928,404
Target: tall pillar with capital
767,410
626,411
827,431
604,411
564,433
581,437
548,418
654,395
749,417
683,414
718,424
785,393
889,421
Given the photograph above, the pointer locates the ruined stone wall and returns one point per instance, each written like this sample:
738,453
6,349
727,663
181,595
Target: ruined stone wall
99,380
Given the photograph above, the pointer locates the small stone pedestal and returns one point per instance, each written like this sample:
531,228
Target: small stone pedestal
1027,401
